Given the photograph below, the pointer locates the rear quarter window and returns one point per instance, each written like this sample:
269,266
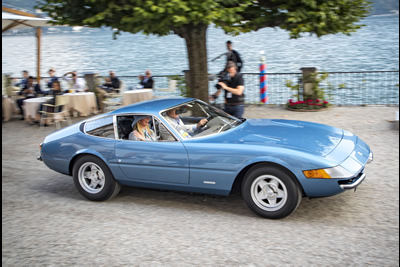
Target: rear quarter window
103,127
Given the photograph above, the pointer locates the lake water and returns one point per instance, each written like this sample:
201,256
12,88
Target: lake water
374,47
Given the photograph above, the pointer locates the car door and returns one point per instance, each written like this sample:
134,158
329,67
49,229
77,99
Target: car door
160,161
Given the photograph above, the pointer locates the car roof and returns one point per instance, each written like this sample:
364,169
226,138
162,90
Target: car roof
152,106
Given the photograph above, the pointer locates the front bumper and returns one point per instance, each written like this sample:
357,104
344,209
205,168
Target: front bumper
352,183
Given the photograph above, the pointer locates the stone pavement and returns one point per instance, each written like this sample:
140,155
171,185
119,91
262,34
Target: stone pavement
45,222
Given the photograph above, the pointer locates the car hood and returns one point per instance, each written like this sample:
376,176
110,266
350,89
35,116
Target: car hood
308,137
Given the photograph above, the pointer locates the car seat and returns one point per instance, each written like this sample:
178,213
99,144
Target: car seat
125,128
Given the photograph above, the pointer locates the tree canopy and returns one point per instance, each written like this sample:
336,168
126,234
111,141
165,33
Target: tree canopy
189,19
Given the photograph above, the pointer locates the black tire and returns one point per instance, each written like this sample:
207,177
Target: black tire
93,179
270,192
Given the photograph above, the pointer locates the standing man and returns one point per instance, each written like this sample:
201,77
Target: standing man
234,91
234,56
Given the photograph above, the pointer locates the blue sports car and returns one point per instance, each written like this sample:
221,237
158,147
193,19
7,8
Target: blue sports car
184,144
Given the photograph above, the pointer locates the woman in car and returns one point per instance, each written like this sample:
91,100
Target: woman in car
141,130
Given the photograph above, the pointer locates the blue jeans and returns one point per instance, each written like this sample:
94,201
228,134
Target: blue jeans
235,110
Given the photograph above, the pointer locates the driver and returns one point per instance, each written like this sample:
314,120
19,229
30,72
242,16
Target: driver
185,130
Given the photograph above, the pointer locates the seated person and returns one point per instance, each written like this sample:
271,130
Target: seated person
24,81
146,81
185,131
76,83
141,130
53,78
30,90
111,82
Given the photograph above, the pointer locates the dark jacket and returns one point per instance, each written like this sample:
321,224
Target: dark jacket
36,91
113,84
147,82
50,83
235,57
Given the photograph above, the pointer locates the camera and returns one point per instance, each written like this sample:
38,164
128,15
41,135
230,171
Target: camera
223,77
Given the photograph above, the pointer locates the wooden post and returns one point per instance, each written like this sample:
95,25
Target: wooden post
38,35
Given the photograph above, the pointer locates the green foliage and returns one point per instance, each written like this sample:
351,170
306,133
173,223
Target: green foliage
163,17
318,91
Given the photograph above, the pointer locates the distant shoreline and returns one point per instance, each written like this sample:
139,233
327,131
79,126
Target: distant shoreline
394,13
68,30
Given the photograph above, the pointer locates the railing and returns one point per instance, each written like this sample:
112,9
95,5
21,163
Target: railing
341,88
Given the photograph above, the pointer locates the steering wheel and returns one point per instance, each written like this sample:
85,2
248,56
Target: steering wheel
212,116
205,126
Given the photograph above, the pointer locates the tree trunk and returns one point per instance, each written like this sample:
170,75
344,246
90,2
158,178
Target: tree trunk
195,37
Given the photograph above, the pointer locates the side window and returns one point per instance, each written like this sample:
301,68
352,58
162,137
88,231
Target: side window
103,127
124,124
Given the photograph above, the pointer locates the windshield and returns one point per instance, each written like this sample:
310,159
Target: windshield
188,119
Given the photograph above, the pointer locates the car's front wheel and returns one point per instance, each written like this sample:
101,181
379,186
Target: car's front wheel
93,179
270,192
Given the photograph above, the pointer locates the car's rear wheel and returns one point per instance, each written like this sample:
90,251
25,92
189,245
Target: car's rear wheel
270,192
93,179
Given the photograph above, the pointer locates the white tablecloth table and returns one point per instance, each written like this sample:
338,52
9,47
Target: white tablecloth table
31,106
84,103
134,96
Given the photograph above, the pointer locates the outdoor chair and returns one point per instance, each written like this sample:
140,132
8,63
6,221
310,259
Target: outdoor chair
59,112
112,101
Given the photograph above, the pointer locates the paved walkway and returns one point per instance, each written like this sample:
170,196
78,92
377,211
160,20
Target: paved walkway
47,223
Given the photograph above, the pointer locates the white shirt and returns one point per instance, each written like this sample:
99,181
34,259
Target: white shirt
79,85
184,130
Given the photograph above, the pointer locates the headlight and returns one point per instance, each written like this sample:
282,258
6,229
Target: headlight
335,172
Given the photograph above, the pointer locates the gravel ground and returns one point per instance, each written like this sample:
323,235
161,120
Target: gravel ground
46,222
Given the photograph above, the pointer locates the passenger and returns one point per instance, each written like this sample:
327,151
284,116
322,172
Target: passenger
185,130
141,130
